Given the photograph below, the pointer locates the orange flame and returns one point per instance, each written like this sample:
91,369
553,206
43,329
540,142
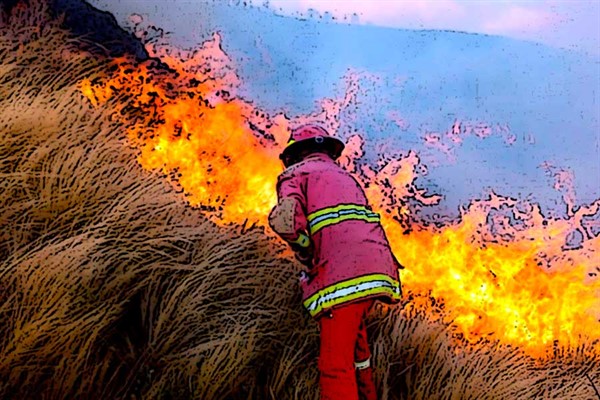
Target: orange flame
208,148
501,269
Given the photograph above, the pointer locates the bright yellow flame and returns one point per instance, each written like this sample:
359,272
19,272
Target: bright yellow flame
492,289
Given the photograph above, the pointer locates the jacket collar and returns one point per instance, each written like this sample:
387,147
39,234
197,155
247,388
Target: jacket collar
318,156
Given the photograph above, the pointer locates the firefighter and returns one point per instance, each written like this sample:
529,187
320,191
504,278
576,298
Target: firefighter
322,212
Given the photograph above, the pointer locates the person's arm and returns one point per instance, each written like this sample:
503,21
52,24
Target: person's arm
288,218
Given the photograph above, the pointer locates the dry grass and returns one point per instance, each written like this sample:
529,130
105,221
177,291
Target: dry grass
110,287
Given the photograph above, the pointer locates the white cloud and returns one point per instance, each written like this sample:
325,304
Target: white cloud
520,19
553,22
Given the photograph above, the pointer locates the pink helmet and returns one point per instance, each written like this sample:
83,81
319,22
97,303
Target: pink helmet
311,137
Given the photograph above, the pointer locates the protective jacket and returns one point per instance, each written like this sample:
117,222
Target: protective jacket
323,208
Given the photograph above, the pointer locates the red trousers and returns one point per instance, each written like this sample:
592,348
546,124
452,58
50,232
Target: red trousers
344,356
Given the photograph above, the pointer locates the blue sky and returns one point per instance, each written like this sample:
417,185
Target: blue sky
540,102
572,24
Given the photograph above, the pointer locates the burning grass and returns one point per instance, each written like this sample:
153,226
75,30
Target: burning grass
221,152
113,287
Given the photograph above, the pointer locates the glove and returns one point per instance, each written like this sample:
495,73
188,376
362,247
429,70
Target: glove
304,256
303,250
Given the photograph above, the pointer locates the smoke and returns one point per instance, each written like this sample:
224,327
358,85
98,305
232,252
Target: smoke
219,148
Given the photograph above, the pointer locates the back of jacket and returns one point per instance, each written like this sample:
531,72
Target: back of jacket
352,258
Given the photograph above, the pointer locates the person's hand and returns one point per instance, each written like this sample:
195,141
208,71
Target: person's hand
304,256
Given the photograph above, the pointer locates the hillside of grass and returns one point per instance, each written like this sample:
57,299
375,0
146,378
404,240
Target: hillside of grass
112,287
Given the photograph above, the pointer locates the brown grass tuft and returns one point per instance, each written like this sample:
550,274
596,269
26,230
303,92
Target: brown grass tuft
111,287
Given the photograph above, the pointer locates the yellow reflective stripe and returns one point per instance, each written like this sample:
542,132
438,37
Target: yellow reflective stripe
351,290
292,141
303,240
342,212
352,282
333,221
357,295
340,207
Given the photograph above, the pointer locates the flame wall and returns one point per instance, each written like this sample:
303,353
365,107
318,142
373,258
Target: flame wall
503,270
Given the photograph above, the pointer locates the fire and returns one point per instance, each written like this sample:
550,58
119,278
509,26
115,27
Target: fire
502,269
207,148
499,288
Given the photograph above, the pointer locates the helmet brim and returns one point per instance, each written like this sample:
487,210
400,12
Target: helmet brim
333,146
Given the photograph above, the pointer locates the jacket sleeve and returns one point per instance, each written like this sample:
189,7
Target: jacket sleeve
288,218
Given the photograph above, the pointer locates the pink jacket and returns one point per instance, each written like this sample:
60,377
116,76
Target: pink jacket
351,257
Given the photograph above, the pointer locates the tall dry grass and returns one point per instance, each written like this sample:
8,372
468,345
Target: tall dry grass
112,288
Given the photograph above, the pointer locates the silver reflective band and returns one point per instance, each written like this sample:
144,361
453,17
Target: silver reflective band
340,213
363,364
347,291
337,214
